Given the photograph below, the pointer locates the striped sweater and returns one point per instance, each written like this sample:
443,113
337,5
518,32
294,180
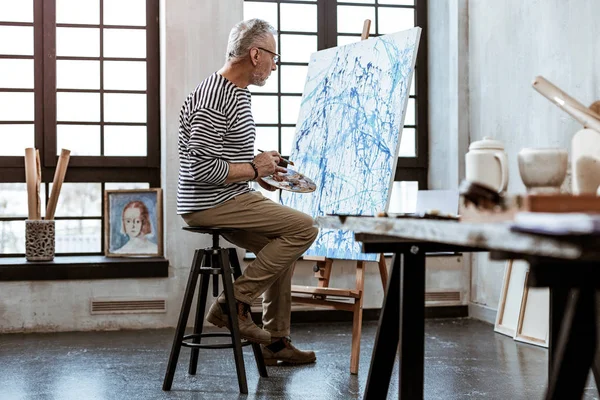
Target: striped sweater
215,128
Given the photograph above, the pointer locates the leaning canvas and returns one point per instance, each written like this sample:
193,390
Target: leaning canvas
348,133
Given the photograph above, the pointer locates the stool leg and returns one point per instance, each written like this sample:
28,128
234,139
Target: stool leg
216,258
235,263
233,322
183,317
198,324
258,356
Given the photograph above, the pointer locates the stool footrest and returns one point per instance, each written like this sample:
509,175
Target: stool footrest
192,336
208,270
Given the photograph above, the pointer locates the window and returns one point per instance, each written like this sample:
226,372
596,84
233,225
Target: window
81,75
306,26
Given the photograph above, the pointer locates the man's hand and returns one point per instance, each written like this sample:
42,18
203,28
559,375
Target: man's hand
266,163
266,186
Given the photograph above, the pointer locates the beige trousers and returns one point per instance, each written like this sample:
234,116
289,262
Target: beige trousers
278,235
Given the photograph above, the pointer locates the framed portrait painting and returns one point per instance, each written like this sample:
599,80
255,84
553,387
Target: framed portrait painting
133,223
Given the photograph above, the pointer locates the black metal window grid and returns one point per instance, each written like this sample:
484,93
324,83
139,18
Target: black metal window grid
411,168
98,171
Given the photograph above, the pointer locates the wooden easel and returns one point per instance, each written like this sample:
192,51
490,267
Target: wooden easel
345,299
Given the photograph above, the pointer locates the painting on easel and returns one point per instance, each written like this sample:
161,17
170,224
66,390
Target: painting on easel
348,133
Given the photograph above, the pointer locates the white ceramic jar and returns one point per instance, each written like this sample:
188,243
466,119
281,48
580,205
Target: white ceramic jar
486,163
543,169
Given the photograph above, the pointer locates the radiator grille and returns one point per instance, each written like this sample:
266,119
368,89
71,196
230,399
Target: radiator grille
450,296
128,306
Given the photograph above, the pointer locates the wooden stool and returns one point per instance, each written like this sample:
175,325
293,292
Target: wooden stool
212,261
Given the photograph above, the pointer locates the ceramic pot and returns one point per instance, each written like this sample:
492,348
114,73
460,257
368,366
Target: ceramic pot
486,163
543,169
585,161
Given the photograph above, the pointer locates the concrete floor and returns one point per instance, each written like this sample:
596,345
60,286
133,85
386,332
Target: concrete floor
465,359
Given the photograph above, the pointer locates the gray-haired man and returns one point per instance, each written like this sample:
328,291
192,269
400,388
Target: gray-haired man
216,152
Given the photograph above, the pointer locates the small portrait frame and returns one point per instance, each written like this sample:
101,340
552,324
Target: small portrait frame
133,223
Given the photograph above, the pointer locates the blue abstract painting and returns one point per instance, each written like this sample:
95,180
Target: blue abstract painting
348,133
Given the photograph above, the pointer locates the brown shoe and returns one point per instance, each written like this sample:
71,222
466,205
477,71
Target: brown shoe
217,315
283,350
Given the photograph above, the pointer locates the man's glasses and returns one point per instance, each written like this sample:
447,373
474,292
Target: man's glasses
275,55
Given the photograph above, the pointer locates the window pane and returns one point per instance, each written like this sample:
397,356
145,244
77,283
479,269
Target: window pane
13,199
403,198
78,12
120,107
15,139
78,107
126,185
352,18
344,40
82,140
398,2
125,75
395,19
130,12
16,106
269,87
125,141
77,74
287,140
266,11
16,74
264,109
413,88
297,48
299,17
407,143
79,200
12,236
358,1
78,42
290,108
409,118
130,43
16,40
293,78
267,139
16,11
78,236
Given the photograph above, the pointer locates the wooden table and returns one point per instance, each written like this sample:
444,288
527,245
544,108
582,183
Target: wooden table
567,266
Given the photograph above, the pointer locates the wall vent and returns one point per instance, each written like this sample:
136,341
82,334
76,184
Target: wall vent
442,297
127,306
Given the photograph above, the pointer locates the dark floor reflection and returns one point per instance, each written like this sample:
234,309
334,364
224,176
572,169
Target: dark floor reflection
464,359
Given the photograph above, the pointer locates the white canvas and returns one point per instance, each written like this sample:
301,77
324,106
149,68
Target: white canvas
348,133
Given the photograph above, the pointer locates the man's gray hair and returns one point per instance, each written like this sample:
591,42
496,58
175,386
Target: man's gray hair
245,35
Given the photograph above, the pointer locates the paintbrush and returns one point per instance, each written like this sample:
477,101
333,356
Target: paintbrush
283,160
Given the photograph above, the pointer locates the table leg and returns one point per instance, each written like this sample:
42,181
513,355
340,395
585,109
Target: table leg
386,339
574,353
558,302
412,324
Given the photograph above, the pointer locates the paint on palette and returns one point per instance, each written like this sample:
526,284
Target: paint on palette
348,133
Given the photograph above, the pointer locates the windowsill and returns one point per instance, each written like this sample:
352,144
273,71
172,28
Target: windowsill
82,268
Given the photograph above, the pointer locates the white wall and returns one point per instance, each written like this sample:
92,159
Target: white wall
507,44
511,42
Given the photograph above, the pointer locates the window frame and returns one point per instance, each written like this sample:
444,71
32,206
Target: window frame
407,168
84,169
